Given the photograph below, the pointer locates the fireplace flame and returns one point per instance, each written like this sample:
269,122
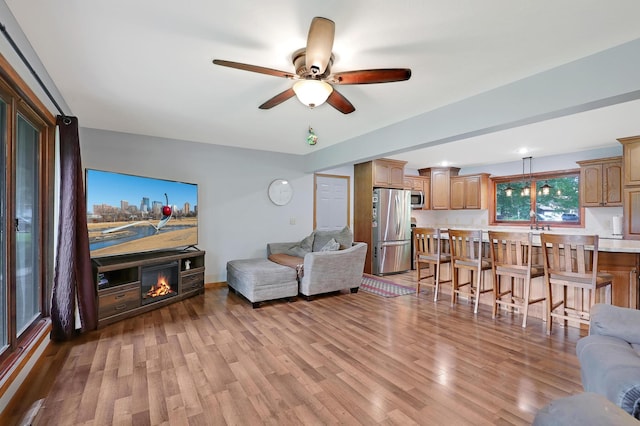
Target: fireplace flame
161,288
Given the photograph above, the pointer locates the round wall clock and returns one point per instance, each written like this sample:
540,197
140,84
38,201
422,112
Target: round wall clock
280,192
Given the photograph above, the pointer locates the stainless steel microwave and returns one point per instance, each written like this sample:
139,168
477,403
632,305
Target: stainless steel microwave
417,199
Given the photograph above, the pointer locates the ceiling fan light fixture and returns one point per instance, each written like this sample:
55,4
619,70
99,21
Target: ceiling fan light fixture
312,93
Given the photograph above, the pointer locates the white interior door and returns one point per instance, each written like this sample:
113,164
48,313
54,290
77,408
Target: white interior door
332,198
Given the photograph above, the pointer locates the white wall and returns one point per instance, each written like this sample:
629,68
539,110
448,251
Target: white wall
236,218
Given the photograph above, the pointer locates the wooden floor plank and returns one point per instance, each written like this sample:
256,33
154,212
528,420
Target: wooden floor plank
339,359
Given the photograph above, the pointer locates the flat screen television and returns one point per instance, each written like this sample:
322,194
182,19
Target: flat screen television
129,214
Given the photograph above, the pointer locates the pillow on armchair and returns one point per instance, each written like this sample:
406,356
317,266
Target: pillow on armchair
344,237
303,247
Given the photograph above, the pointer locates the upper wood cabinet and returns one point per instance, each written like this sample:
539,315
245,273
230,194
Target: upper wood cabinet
388,173
631,194
440,185
469,192
415,183
601,182
631,155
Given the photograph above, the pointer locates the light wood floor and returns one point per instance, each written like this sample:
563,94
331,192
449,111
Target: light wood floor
340,359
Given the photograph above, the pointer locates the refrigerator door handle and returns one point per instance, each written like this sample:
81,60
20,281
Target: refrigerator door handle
394,243
398,216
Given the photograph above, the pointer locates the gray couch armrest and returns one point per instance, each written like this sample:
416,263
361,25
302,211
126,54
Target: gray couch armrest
609,320
333,270
275,248
609,366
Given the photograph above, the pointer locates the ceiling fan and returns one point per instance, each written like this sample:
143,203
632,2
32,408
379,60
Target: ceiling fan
314,80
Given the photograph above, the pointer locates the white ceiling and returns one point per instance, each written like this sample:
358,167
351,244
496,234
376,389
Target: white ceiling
144,67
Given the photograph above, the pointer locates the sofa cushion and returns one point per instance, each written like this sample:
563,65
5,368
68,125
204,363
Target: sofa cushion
287,260
303,247
344,237
609,320
332,245
611,367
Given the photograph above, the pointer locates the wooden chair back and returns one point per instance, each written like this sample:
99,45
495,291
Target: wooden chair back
427,242
571,258
511,252
466,248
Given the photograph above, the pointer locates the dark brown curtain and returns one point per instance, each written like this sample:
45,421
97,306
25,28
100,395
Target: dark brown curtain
73,278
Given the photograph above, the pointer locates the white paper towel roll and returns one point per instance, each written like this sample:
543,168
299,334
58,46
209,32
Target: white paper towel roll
616,223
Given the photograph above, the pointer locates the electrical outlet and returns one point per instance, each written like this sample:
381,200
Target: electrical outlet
292,221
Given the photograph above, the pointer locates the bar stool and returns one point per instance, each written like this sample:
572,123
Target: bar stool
428,251
571,262
466,253
511,257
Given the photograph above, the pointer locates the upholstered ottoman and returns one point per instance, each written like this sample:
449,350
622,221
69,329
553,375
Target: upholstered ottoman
261,279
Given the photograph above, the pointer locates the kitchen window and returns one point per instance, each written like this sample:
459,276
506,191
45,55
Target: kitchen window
541,199
26,215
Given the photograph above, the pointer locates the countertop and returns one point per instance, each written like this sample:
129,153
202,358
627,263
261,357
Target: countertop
609,242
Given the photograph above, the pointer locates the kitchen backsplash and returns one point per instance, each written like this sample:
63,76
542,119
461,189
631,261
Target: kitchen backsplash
598,220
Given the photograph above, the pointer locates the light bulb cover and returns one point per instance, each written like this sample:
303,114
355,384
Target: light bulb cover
312,93
508,191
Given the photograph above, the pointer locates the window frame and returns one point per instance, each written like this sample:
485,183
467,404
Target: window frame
20,99
534,178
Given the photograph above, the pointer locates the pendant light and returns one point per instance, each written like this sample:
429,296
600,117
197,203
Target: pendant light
546,189
526,191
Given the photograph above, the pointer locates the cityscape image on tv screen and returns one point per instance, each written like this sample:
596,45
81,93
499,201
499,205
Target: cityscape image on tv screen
133,214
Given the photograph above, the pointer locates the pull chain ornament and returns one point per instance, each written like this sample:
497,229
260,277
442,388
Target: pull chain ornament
312,139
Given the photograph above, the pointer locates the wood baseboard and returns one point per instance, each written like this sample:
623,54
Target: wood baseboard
216,284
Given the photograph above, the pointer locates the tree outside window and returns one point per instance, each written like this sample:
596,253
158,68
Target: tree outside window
555,199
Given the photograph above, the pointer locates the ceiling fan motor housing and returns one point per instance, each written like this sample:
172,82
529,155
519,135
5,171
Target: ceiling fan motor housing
300,65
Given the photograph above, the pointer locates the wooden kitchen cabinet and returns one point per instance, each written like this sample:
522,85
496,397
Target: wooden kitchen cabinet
631,213
631,192
631,155
624,268
601,182
388,173
440,185
469,192
427,193
415,183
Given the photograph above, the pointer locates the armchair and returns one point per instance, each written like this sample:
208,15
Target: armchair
326,271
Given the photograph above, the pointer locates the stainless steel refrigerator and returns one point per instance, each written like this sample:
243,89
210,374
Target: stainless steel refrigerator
391,231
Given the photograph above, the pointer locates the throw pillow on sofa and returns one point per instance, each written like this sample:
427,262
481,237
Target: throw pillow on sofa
332,245
344,237
303,247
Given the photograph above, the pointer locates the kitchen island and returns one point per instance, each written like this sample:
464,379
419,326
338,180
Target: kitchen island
617,256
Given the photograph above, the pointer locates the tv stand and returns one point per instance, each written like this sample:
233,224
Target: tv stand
191,247
122,282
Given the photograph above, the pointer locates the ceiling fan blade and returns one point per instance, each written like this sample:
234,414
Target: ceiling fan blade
319,45
254,68
278,99
385,75
339,102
